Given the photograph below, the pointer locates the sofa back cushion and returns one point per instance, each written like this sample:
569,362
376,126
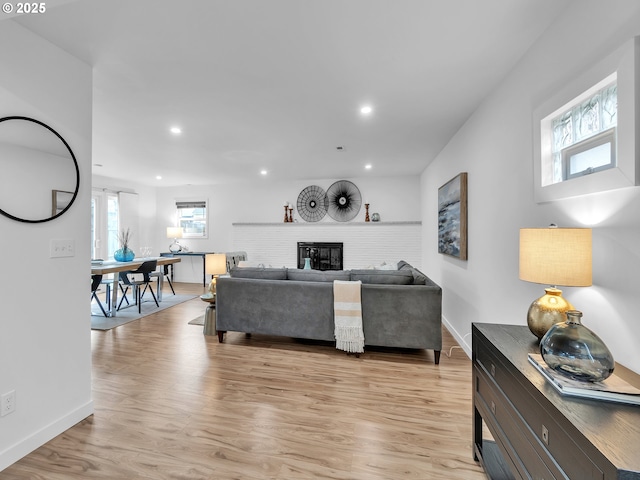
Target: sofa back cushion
317,275
386,277
259,273
419,278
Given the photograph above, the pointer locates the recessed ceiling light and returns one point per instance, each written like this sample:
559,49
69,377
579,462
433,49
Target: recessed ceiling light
366,110
368,166
263,172
176,130
158,177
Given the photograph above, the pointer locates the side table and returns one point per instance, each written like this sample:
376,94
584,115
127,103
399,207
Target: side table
210,314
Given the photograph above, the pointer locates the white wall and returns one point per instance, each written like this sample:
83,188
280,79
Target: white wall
45,344
365,245
395,199
495,147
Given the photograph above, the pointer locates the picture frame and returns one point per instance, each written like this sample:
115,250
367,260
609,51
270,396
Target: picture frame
60,200
452,217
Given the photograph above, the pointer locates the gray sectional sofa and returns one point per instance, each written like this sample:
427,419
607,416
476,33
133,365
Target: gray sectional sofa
400,308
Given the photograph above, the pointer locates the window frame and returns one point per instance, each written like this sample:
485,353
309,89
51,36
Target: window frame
602,138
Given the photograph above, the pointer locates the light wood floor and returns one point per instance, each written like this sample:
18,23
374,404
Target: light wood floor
171,403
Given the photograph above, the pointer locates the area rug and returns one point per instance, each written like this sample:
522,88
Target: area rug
197,321
129,314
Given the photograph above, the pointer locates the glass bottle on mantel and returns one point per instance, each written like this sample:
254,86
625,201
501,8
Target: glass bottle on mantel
573,350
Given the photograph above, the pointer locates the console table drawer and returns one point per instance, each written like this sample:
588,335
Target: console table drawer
546,437
504,422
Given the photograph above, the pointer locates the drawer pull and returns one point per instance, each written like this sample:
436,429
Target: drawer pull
493,407
545,435
493,370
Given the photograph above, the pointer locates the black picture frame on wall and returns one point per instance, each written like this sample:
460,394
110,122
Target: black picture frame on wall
452,217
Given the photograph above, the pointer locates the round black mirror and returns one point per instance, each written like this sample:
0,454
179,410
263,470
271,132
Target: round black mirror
40,175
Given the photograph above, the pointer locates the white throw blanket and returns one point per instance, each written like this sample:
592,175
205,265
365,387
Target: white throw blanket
347,310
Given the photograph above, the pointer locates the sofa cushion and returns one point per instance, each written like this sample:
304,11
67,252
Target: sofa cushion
318,275
419,278
403,265
387,277
259,273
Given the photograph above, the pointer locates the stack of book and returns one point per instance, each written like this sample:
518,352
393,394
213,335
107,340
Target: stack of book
613,389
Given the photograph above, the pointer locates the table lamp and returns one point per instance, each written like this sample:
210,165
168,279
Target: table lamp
175,233
215,265
554,256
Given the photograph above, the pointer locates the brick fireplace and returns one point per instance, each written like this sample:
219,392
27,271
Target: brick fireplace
364,244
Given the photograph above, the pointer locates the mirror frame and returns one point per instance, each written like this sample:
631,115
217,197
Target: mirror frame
75,163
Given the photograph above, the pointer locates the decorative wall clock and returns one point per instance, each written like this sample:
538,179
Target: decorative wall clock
344,201
312,203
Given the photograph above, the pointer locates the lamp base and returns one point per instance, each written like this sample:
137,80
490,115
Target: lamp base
212,285
175,247
546,311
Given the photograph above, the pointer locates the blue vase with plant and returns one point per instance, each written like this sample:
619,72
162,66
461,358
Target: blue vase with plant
124,253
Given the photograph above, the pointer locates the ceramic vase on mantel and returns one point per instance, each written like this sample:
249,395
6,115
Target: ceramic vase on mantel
307,264
124,255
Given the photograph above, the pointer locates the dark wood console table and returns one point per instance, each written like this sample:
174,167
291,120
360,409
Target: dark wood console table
538,433
203,255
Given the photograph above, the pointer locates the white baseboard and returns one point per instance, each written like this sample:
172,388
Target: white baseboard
459,338
24,447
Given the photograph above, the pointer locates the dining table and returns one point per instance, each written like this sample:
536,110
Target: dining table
104,267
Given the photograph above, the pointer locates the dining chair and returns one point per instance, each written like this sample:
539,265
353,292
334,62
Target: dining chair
95,284
108,283
164,273
127,281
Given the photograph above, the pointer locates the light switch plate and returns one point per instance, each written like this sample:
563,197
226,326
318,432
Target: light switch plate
62,247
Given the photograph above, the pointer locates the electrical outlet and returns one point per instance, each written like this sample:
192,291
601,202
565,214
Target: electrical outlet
7,403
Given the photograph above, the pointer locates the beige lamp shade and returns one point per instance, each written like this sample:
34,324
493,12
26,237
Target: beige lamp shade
174,232
556,256
216,263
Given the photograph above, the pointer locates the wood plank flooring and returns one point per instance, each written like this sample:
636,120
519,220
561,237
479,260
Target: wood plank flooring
171,403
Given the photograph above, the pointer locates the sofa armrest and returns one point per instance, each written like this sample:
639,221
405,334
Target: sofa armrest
407,316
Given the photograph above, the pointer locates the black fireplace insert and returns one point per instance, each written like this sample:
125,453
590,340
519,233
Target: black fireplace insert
321,255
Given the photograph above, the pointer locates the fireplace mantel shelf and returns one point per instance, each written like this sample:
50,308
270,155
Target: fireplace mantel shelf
322,224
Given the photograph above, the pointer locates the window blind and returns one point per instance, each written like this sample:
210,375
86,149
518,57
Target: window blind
197,204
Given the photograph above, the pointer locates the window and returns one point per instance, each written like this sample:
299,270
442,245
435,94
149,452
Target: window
590,156
104,224
192,217
584,136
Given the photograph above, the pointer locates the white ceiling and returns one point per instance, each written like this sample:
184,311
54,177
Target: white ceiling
277,84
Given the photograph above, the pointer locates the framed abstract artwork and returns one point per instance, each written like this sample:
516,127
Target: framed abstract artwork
452,217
